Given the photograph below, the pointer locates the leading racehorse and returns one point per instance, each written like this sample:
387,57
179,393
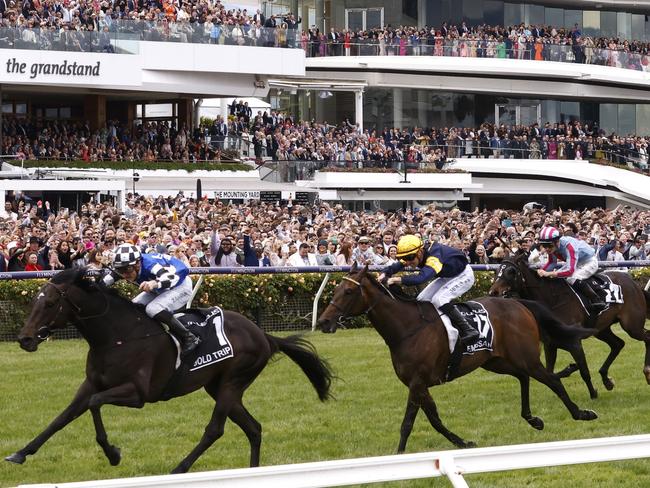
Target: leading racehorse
516,277
131,361
420,352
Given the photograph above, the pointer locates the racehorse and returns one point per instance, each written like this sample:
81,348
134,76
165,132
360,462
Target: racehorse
514,276
131,361
420,353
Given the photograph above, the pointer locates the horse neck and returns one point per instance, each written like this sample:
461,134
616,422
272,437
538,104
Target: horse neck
543,290
104,319
388,316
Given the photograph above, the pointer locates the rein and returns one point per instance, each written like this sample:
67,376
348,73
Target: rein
45,331
358,284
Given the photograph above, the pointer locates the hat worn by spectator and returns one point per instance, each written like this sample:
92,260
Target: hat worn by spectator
364,240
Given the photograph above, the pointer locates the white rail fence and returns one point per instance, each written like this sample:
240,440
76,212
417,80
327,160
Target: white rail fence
453,464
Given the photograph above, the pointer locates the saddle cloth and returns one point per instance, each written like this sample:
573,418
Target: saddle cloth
207,324
610,293
477,316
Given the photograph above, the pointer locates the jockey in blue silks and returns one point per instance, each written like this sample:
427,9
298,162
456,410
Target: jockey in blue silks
165,285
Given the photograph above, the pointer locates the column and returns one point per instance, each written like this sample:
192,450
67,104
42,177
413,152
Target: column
422,13
185,113
95,110
398,107
320,15
422,108
358,108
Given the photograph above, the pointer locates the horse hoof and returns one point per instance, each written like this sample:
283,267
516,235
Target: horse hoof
609,383
114,456
593,394
178,470
468,445
587,415
536,423
16,458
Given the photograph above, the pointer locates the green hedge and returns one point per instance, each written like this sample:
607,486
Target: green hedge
247,294
139,165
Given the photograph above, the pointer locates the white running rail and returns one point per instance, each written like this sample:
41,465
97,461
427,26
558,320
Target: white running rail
453,464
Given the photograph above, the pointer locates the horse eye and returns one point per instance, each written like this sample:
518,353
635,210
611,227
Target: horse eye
49,303
348,291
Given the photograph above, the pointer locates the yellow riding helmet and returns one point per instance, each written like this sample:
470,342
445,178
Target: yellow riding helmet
408,244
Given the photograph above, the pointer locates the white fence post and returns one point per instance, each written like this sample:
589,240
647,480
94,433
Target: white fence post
314,310
198,284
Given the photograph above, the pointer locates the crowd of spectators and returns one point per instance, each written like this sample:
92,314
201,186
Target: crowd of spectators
66,140
533,42
84,25
275,135
218,233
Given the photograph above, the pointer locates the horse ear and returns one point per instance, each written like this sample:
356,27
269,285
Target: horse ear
365,269
354,267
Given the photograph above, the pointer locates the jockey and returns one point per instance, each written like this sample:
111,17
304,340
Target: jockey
580,262
446,266
165,285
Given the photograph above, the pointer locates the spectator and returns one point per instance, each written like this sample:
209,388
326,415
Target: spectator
302,257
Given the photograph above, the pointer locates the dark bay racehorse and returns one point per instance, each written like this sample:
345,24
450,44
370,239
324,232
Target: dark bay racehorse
131,360
420,353
515,277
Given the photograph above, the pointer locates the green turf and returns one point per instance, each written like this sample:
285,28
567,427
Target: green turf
362,421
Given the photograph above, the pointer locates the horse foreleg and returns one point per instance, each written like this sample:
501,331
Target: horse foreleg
112,453
214,429
578,354
407,424
553,382
550,355
251,427
431,411
124,395
616,344
77,407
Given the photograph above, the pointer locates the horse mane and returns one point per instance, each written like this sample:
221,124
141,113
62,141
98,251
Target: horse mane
90,283
397,291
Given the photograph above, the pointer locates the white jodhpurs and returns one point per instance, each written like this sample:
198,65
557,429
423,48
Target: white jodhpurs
170,300
443,290
584,270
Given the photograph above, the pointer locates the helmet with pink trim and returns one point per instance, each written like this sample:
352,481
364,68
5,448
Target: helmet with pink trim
548,234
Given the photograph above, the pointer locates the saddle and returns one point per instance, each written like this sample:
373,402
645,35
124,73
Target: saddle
603,289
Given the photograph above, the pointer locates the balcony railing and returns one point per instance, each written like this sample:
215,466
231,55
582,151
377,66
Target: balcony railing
123,36
578,53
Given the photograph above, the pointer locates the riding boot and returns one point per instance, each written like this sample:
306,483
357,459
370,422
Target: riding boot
188,340
467,333
595,303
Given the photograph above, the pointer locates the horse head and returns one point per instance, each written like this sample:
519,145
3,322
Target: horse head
348,300
509,279
54,307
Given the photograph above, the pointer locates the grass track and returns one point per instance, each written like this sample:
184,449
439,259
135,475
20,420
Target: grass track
362,421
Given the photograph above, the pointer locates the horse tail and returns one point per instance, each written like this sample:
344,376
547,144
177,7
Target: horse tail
557,331
303,353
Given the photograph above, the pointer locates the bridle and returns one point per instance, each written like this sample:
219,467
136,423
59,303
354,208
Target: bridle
359,287
520,280
45,331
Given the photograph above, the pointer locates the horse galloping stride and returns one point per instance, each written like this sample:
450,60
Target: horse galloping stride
420,351
516,278
131,361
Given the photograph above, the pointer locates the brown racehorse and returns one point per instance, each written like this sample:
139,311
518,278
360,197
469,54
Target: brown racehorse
131,361
420,353
515,276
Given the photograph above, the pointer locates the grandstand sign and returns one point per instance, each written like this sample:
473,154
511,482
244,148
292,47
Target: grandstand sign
66,68
237,195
